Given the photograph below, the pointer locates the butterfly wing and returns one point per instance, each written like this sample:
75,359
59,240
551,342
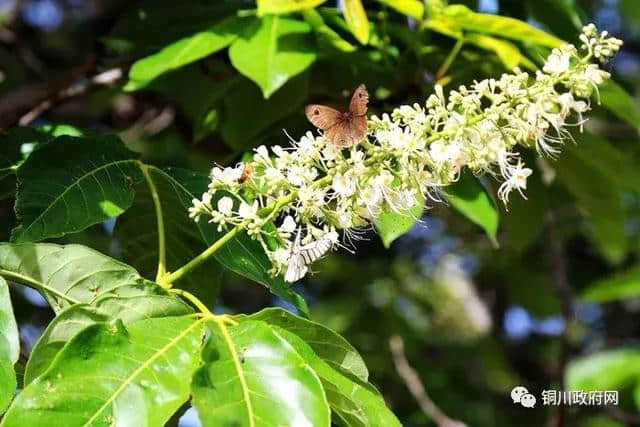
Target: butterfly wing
296,269
314,250
347,133
323,117
359,101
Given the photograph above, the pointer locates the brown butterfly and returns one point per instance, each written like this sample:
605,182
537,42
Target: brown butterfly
342,129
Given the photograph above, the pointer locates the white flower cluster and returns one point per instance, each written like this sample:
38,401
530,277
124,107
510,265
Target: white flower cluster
318,189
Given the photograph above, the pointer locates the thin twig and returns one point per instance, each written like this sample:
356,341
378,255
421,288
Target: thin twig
412,380
567,304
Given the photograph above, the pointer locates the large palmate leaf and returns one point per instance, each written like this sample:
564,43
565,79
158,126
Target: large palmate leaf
469,198
71,274
185,51
9,347
391,225
159,207
72,183
242,254
110,374
77,317
272,51
352,403
327,344
252,376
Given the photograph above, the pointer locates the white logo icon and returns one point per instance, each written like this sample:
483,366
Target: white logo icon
521,395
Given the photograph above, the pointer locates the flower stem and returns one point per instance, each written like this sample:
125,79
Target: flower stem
192,299
162,259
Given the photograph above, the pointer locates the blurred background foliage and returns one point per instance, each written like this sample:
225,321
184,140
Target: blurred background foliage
544,294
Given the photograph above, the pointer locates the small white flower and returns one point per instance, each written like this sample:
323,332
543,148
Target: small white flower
558,62
247,211
225,205
288,224
344,185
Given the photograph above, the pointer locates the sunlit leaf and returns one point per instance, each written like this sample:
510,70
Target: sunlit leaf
70,274
413,8
620,286
72,183
325,35
609,370
185,51
9,347
78,317
469,198
354,403
273,50
327,344
508,53
286,6
110,374
252,376
615,99
357,20
391,225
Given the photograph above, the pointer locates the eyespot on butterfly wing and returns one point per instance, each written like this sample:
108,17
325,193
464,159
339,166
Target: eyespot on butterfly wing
359,101
323,117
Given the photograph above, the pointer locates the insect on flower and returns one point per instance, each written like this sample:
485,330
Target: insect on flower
343,129
247,173
302,256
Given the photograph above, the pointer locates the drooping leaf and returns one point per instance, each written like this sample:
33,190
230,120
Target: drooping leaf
9,347
74,319
72,183
469,198
413,8
357,20
508,53
561,16
71,274
327,344
273,50
286,6
501,26
264,114
620,286
609,370
354,403
252,376
242,254
185,51
615,99
391,225
137,231
325,35
110,374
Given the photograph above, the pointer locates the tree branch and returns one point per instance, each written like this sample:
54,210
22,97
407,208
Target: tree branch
413,383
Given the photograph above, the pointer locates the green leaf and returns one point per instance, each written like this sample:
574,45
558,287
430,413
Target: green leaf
185,51
71,274
508,53
598,197
391,225
264,114
286,6
620,286
252,376
72,183
74,319
609,370
242,254
561,16
357,20
9,347
325,35
501,26
413,8
272,51
137,231
11,142
327,344
110,374
469,198
354,403
615,99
